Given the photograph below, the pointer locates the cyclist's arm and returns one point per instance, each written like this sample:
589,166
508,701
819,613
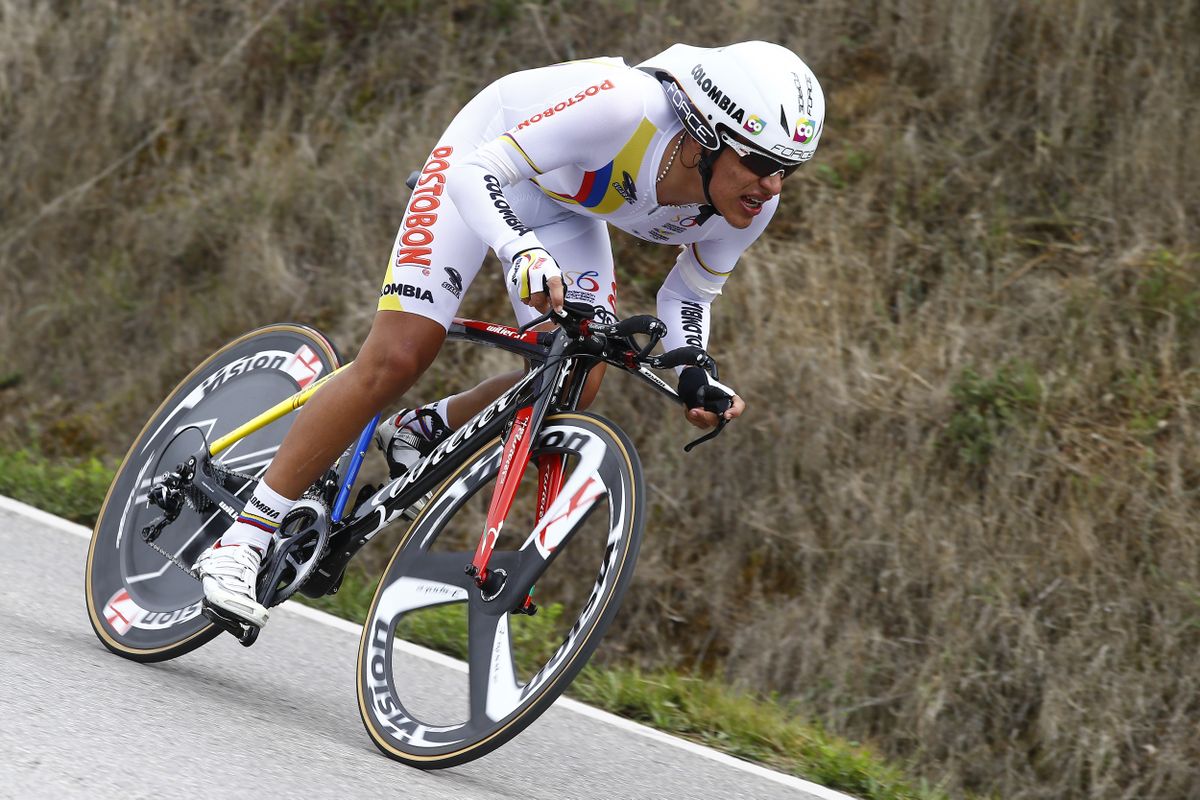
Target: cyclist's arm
586,132
685,304
686,311
686,296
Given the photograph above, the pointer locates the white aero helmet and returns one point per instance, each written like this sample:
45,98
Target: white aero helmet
754,96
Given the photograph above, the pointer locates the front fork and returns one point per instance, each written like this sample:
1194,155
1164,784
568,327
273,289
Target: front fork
568,385
512,467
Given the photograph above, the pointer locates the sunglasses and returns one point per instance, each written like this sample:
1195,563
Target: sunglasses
757,161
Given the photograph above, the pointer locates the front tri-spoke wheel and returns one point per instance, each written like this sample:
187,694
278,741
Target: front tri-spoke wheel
575,562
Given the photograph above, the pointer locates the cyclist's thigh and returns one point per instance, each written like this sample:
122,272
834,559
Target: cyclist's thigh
436,255
582,248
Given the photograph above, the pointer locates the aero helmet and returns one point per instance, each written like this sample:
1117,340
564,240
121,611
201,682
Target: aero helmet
760,93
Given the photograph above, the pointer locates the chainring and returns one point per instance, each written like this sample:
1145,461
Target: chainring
299,546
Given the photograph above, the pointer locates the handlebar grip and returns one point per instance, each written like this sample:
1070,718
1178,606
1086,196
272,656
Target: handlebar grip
687,356
640,324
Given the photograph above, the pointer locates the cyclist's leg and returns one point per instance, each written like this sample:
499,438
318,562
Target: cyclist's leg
419,298
399,348
420,295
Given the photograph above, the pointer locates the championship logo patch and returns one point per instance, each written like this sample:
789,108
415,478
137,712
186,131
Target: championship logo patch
805,128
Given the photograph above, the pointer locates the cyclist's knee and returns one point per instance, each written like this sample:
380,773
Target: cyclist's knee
388,373
399,348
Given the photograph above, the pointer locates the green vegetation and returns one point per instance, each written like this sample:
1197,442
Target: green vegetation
986,407
745,726
1169,290
73,489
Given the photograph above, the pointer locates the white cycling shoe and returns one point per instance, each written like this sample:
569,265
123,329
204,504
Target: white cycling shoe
228,574
401,445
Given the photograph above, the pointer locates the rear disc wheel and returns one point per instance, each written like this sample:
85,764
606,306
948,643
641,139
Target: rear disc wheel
140,605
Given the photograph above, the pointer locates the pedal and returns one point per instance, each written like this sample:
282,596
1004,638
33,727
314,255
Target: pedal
244,632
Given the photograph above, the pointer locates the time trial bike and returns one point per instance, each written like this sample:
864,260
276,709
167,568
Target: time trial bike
468,562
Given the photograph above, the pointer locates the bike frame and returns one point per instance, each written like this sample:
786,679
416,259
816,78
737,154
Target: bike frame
553,383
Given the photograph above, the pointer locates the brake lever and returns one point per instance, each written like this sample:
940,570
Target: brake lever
717,405
714,433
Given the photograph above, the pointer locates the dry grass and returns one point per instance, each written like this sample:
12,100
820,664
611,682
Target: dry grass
961,520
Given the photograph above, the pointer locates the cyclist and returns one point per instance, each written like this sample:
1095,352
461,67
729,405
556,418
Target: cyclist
689,148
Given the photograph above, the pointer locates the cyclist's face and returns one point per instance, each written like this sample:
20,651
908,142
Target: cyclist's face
737,192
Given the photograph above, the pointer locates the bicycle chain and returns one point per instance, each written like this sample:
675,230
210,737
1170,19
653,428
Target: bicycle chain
174,560
198,501
225,474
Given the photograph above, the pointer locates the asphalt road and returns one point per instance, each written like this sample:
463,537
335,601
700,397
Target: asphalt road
278,719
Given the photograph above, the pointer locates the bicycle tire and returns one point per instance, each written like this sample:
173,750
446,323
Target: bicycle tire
140,606
501,707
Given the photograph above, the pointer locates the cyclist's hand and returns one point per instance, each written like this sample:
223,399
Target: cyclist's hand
702,396
538,279
707,419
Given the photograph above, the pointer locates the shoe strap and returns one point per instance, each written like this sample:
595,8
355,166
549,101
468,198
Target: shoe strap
420,442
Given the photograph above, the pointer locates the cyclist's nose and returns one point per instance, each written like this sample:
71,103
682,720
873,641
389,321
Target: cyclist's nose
772,183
